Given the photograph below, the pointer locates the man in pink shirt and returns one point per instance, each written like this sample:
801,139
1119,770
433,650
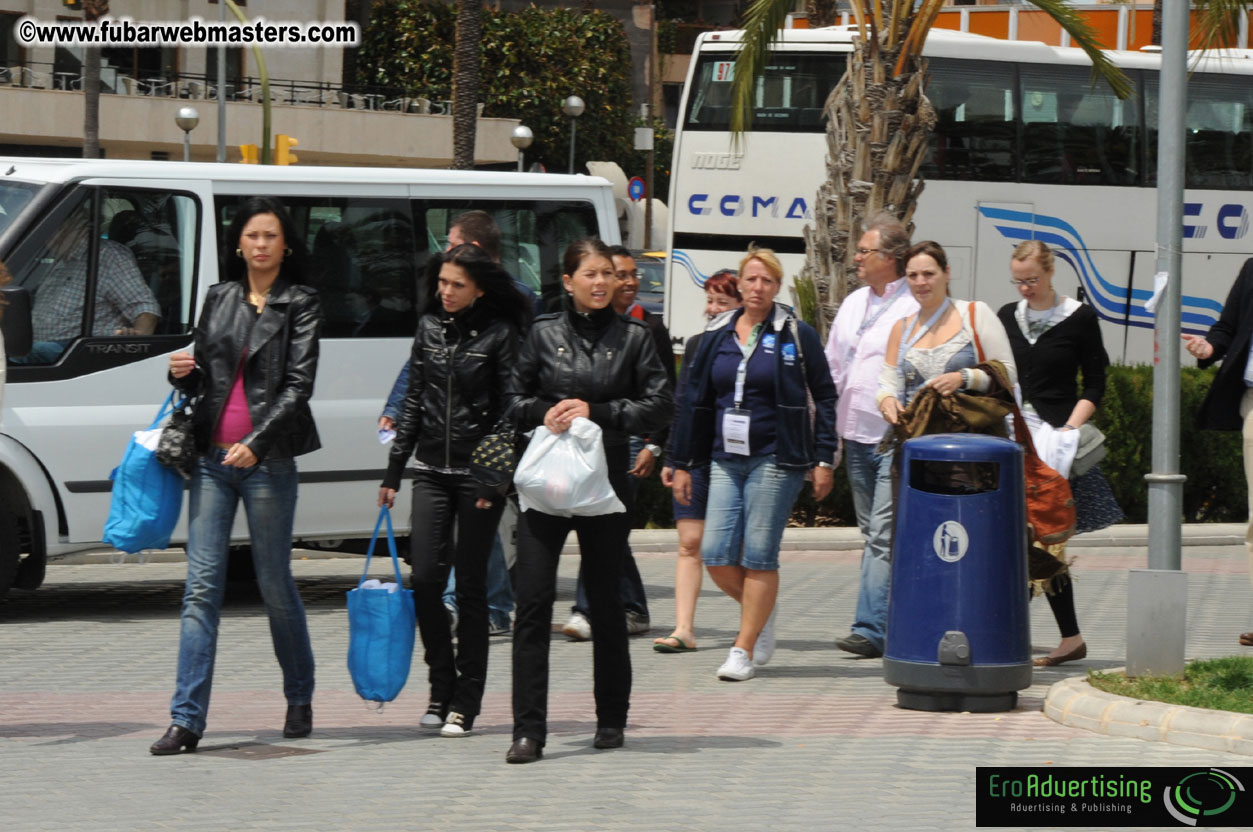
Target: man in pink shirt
855,349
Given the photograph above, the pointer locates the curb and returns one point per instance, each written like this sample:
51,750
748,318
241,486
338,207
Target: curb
828,539
1076,703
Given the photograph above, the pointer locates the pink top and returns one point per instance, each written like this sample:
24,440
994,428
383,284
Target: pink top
236,421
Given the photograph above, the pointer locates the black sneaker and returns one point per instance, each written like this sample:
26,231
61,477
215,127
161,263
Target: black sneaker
457,725
859,644
434,716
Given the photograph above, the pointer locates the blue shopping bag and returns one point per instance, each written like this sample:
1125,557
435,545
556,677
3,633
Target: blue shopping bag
381,623
147,496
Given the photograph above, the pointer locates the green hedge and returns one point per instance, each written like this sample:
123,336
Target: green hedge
1214,493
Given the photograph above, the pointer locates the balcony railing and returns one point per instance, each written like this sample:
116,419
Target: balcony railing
248,89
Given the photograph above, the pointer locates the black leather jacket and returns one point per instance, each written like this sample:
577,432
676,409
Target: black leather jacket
282,344
457,375
619,375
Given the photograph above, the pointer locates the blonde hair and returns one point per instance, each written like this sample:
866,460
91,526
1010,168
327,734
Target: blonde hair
768,259
1029,249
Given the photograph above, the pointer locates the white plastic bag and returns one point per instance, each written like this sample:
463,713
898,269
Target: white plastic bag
565,474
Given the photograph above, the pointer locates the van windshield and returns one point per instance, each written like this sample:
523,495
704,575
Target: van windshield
14,197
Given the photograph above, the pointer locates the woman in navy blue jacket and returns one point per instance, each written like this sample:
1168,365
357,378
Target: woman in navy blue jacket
748,392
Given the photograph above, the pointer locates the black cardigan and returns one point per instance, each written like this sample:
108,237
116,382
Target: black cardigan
1048,369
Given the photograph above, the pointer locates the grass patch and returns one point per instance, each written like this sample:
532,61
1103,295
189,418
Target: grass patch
1219,684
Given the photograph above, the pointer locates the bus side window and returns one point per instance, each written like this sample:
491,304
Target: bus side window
975,130
1075,133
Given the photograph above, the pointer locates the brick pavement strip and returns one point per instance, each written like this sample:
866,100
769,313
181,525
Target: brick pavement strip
813,743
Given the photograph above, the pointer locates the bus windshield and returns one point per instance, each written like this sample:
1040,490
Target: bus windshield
789,96
14,197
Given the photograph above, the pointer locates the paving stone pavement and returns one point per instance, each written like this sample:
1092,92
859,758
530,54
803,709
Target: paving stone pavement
815,742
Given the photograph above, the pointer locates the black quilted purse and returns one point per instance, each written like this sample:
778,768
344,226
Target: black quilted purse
495,458
177,446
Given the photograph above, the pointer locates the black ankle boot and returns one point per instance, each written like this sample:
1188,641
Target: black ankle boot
176,739
299,721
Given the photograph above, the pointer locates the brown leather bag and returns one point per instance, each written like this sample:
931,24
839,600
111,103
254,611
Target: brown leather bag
1050,503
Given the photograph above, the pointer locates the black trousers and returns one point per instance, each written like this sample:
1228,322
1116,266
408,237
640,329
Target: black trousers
439,500
602,541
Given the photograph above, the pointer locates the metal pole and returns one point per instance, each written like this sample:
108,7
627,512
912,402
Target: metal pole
221,157
520,160
186,145
573,127
1165,483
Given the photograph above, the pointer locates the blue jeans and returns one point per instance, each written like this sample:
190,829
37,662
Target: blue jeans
499,587
750,500
870,478
268,492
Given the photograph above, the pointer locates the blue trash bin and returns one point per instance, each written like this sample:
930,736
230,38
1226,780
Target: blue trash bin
958,634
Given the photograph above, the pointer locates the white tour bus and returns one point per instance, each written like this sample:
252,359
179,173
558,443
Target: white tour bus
1026,148
67,414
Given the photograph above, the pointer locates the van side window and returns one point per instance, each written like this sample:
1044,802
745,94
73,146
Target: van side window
362,261
533,234
108,262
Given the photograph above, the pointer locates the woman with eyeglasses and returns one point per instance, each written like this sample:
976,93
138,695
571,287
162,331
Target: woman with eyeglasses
1061,368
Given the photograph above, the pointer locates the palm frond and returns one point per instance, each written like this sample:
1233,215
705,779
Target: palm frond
761,28
1085,38
898,21
1218,22
859,16
919,24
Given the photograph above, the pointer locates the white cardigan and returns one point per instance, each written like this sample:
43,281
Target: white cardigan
992,338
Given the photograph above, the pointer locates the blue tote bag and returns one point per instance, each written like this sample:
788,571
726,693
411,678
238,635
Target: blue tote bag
381,624
147,496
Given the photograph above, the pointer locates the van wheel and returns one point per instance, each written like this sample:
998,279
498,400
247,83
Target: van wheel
10,551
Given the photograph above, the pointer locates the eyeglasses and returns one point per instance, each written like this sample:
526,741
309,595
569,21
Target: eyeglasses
866,252
628,275
1030,281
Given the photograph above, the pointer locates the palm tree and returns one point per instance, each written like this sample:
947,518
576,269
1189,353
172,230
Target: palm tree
93,10
465,82
879,123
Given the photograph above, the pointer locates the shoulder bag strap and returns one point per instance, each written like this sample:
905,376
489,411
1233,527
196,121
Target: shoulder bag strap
974,330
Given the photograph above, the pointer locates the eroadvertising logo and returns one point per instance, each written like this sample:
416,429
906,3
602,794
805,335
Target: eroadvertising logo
1112,796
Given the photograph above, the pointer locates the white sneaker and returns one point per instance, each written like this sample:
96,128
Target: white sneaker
578,627
763,647
456,726
737,667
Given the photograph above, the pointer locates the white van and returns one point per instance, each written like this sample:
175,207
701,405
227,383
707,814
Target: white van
67,413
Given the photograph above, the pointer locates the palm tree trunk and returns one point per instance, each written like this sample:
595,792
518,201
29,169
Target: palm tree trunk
877,133
93,10
465,82
821,13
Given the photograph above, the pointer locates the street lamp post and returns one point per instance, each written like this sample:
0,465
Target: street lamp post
521,139
573,107
187,119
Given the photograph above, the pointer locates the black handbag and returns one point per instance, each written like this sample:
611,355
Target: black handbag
177,446
495,458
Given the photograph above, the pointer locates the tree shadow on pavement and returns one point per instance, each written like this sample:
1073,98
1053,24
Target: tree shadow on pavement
64,733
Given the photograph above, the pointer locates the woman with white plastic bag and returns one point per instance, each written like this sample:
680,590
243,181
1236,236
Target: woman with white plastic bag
584,363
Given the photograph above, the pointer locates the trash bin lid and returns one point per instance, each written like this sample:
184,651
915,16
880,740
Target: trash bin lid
962,447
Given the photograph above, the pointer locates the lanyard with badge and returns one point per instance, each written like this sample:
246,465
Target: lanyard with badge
735,420
870,320
908,343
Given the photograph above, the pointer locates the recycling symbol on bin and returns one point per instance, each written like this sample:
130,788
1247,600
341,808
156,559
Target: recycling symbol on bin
950,541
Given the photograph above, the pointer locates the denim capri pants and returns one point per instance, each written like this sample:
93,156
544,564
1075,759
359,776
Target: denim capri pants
750,500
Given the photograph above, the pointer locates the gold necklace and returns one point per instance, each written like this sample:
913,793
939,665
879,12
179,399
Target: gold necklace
258,298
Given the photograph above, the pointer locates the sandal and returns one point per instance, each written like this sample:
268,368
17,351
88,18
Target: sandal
683,647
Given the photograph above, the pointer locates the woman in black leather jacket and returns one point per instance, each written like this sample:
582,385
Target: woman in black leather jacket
461,359
256,355
586,361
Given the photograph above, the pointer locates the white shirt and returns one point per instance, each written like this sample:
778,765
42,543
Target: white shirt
856,361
